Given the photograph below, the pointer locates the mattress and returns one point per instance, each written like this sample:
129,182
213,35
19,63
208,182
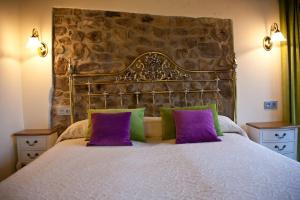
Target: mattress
234,169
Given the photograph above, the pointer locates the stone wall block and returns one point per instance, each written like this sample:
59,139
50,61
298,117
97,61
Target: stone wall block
147,19
189,64
110,46
209,49
62,83
57,20
80,50
180,31
132,35
107,24
184,22
174,43
120,34
77,12
158,43
61,66
94,36
63,11
143,49
220,34
199,31
112,14
58,93
141,28
60,30
126,22
181,53
144,41
77,35
65,40
190,42
205,64
87,67
98,48
93,13
60,49
101,57
160,32
193,53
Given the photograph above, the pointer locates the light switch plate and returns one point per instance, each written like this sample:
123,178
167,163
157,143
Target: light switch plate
63,110
270,105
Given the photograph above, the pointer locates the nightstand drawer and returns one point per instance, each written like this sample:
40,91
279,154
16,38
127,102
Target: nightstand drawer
282,148
28,156
279,135
32,142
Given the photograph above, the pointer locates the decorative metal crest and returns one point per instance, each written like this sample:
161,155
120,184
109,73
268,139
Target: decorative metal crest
153,66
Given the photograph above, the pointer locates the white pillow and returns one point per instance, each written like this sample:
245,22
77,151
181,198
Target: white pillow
76,130
228,126
152,127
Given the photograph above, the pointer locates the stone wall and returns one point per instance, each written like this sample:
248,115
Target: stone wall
105,42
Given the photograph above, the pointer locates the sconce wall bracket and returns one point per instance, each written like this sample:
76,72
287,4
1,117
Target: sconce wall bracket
43,50
267,43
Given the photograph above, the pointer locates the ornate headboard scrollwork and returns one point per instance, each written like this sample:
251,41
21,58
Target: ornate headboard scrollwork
152,80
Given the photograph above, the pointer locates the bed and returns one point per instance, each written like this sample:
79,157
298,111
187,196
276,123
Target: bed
235,168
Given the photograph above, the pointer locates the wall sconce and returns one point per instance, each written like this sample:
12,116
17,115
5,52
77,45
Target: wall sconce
35,43
275,36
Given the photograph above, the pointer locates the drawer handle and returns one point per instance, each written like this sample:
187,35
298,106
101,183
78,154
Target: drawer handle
31,144
280,149
280,136
32,156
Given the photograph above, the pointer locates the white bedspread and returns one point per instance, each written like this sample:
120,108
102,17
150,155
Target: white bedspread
235,168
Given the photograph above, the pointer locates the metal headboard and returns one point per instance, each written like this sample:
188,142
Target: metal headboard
141,78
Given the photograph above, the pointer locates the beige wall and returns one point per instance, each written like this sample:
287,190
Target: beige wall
259,75
11,111
258,71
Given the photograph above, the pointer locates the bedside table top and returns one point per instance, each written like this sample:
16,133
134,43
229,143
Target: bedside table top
33,132
271,125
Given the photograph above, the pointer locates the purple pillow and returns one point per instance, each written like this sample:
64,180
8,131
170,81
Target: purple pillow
194,126
110,129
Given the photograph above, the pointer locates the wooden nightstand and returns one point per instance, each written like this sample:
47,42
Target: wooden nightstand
277,136
33,142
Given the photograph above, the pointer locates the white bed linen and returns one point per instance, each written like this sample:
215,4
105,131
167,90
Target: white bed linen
235,168
152,125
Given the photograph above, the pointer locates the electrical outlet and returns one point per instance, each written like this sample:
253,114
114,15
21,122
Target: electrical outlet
63,110
270,105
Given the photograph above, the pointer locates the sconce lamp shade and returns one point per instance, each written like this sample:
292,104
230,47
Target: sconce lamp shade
35,43
277,37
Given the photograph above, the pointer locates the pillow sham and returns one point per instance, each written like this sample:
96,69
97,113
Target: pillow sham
136,122
110,129
194,126
152,127
75,130
168,125
229,126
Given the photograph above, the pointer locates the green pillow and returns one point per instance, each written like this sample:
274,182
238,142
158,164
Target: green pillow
168,124
136,122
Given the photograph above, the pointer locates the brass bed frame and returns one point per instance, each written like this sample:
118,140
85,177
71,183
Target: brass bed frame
142,76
